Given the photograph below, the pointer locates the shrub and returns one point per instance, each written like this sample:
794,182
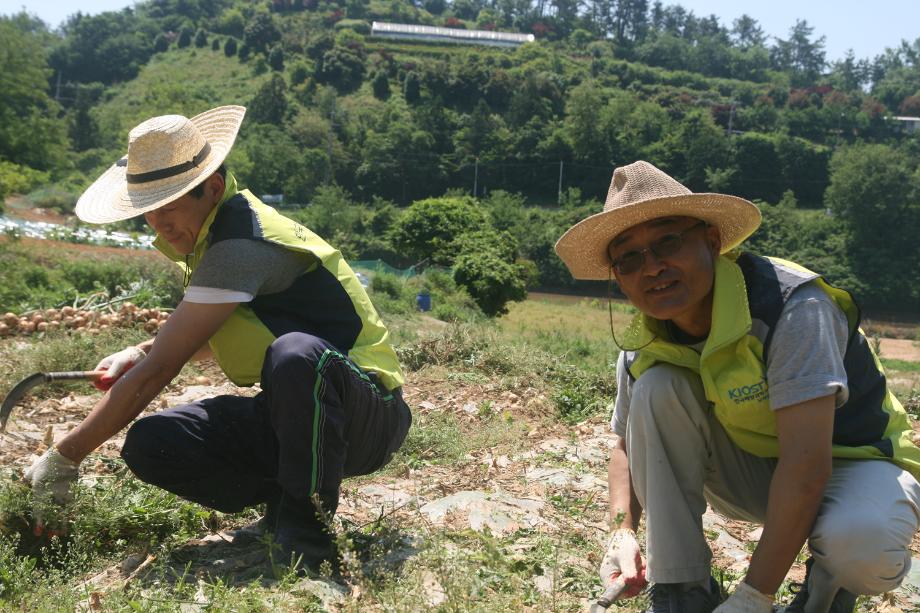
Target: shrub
185,37
201,38
490,280
16,179
230,47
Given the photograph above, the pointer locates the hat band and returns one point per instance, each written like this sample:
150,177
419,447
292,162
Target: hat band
164,173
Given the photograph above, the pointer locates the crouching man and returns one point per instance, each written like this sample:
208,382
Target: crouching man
744,382
275,304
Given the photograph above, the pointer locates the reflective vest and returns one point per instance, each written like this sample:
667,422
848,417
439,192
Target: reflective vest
326,300
749,295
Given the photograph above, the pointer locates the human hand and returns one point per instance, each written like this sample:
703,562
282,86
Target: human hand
623,561
746,599
116,365
50,477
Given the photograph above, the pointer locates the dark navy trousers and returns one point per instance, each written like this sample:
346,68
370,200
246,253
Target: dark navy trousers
318,418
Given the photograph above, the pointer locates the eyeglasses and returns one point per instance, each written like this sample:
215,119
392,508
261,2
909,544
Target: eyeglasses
663,247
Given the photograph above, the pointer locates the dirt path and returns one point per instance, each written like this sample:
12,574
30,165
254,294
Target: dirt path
900,349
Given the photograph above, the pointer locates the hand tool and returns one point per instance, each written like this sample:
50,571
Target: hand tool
21,389
609,596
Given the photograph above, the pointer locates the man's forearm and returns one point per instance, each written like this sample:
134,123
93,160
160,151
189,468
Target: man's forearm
625,509
127,398
795,496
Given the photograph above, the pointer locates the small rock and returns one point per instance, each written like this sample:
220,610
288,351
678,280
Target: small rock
755,534
543,583
471,408
427,406
329,592
434,592
132,562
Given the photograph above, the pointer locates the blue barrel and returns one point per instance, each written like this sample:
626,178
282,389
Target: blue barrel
423,301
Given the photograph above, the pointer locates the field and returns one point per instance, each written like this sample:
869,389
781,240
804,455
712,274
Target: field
495,502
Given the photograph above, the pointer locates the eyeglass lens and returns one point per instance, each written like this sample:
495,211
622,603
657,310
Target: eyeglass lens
666,246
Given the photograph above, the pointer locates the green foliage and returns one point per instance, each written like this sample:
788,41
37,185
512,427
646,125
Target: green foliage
201,38
489,277
342,67
16,179
427,231
276,58
874,188
32,282
381,86
270,104
160,43
261,31
31,133
412,88
185,37
230,47
215,44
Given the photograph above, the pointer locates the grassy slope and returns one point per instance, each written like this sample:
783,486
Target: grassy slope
186,81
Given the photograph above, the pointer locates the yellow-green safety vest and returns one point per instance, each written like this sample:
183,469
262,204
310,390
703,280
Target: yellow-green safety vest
327,300
749,295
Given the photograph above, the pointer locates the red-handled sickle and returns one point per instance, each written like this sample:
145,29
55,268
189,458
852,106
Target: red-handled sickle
22,388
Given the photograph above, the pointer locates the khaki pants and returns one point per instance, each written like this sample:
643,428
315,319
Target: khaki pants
680,457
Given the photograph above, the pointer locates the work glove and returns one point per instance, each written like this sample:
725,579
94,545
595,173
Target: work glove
746,599
116,365
623,559
50,477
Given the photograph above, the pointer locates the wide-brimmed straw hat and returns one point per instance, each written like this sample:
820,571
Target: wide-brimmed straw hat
167,157
640,192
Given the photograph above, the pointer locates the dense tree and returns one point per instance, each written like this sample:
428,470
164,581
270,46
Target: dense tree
800,55
185,37
276,58
261,31
270,103
427,231
107,48
31,134
873,189
201,38
230,47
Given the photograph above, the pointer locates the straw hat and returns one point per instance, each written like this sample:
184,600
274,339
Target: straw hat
640,192
167,157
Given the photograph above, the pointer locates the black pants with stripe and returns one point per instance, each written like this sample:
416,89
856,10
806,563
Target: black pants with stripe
318,419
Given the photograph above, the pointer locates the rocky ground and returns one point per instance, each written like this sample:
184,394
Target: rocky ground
538,478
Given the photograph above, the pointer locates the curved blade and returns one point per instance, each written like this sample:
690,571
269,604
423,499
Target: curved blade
16,394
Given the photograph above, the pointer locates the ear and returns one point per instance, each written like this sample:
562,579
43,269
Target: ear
215,187
714,240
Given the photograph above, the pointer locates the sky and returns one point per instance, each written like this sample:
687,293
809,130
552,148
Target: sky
846,24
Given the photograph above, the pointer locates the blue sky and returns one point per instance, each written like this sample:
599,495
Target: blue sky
846,24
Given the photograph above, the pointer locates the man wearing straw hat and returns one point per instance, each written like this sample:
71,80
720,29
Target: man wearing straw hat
276,305
746,383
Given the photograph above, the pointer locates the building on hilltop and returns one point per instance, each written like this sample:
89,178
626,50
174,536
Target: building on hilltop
908,125
448,35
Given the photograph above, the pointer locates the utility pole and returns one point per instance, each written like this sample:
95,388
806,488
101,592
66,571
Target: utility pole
559,199
476,177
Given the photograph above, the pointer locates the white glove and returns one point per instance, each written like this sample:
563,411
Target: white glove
746,599
623,559
118,364
50,477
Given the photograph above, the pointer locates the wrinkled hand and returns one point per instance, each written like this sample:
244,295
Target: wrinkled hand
51,477
624,560
746,599
116,365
